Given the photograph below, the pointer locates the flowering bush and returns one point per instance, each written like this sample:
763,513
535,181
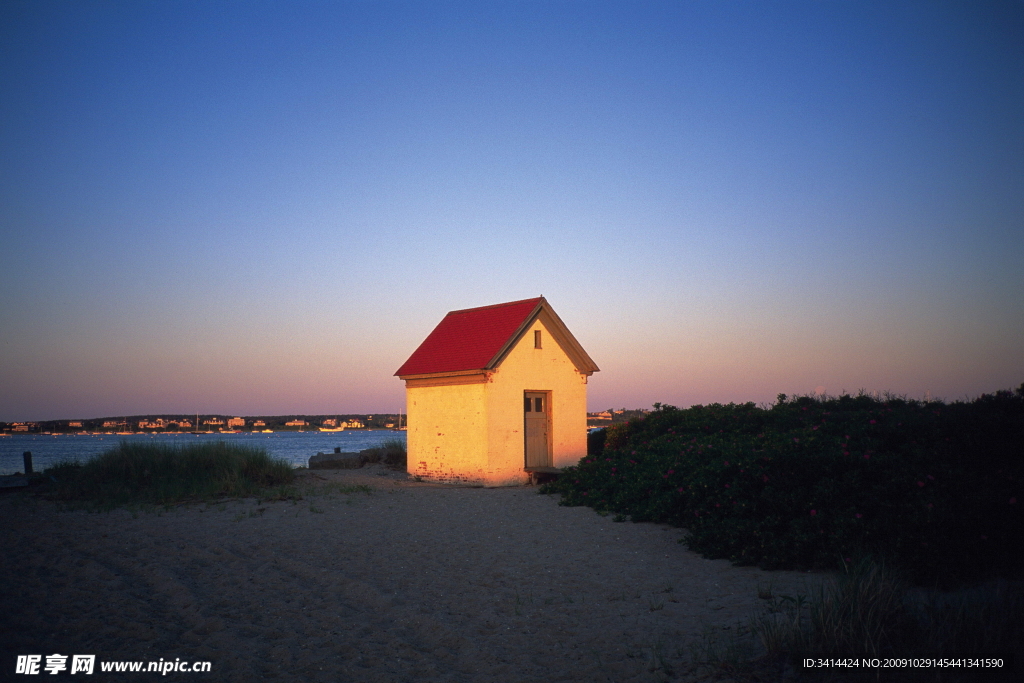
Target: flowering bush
929,485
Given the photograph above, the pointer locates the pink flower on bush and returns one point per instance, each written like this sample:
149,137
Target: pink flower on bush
846,452
813,512
726,486
1013,501
858,515
920,483
671,471
931,477
867,456
764,478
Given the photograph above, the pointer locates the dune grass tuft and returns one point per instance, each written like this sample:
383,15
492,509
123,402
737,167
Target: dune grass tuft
391,452
870,612
164,474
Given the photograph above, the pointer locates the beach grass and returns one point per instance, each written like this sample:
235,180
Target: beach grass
871,612
162,474
391,452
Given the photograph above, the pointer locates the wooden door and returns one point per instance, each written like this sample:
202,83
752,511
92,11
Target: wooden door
536,412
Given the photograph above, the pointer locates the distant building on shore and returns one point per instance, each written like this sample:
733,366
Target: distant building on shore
495,395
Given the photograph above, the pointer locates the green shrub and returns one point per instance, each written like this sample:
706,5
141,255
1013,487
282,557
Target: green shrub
134,473
809,482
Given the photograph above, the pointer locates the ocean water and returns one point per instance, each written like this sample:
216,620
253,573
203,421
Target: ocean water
294,447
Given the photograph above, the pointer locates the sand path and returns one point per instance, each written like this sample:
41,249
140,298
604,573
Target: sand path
412,582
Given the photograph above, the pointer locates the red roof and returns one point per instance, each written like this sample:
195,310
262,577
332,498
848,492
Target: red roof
469,339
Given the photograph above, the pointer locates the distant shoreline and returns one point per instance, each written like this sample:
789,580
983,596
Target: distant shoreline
204,422
5,435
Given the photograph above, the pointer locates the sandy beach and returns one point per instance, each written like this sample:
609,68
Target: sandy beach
411,582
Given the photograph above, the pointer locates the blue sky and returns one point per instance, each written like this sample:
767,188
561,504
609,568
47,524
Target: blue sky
263,208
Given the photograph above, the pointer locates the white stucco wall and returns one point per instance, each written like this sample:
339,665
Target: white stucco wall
473,433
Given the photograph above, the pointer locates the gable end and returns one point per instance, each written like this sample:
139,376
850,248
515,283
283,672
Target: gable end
559,332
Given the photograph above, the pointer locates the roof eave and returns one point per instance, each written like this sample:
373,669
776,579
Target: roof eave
453,373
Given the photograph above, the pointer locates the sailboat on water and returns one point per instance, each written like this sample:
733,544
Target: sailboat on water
197,427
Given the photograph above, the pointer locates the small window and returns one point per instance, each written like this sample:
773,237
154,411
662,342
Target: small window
528,404
539,407
536,339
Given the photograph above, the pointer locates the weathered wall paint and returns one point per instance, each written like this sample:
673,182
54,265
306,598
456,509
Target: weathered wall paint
447,432
473,433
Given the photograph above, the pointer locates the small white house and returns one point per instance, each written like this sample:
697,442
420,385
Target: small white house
495,393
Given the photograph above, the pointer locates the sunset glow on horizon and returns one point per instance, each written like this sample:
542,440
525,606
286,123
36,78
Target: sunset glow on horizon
263,209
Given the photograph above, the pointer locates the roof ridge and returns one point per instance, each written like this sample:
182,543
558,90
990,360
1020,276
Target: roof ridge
507,303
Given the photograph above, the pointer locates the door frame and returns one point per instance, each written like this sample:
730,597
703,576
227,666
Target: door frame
548,418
